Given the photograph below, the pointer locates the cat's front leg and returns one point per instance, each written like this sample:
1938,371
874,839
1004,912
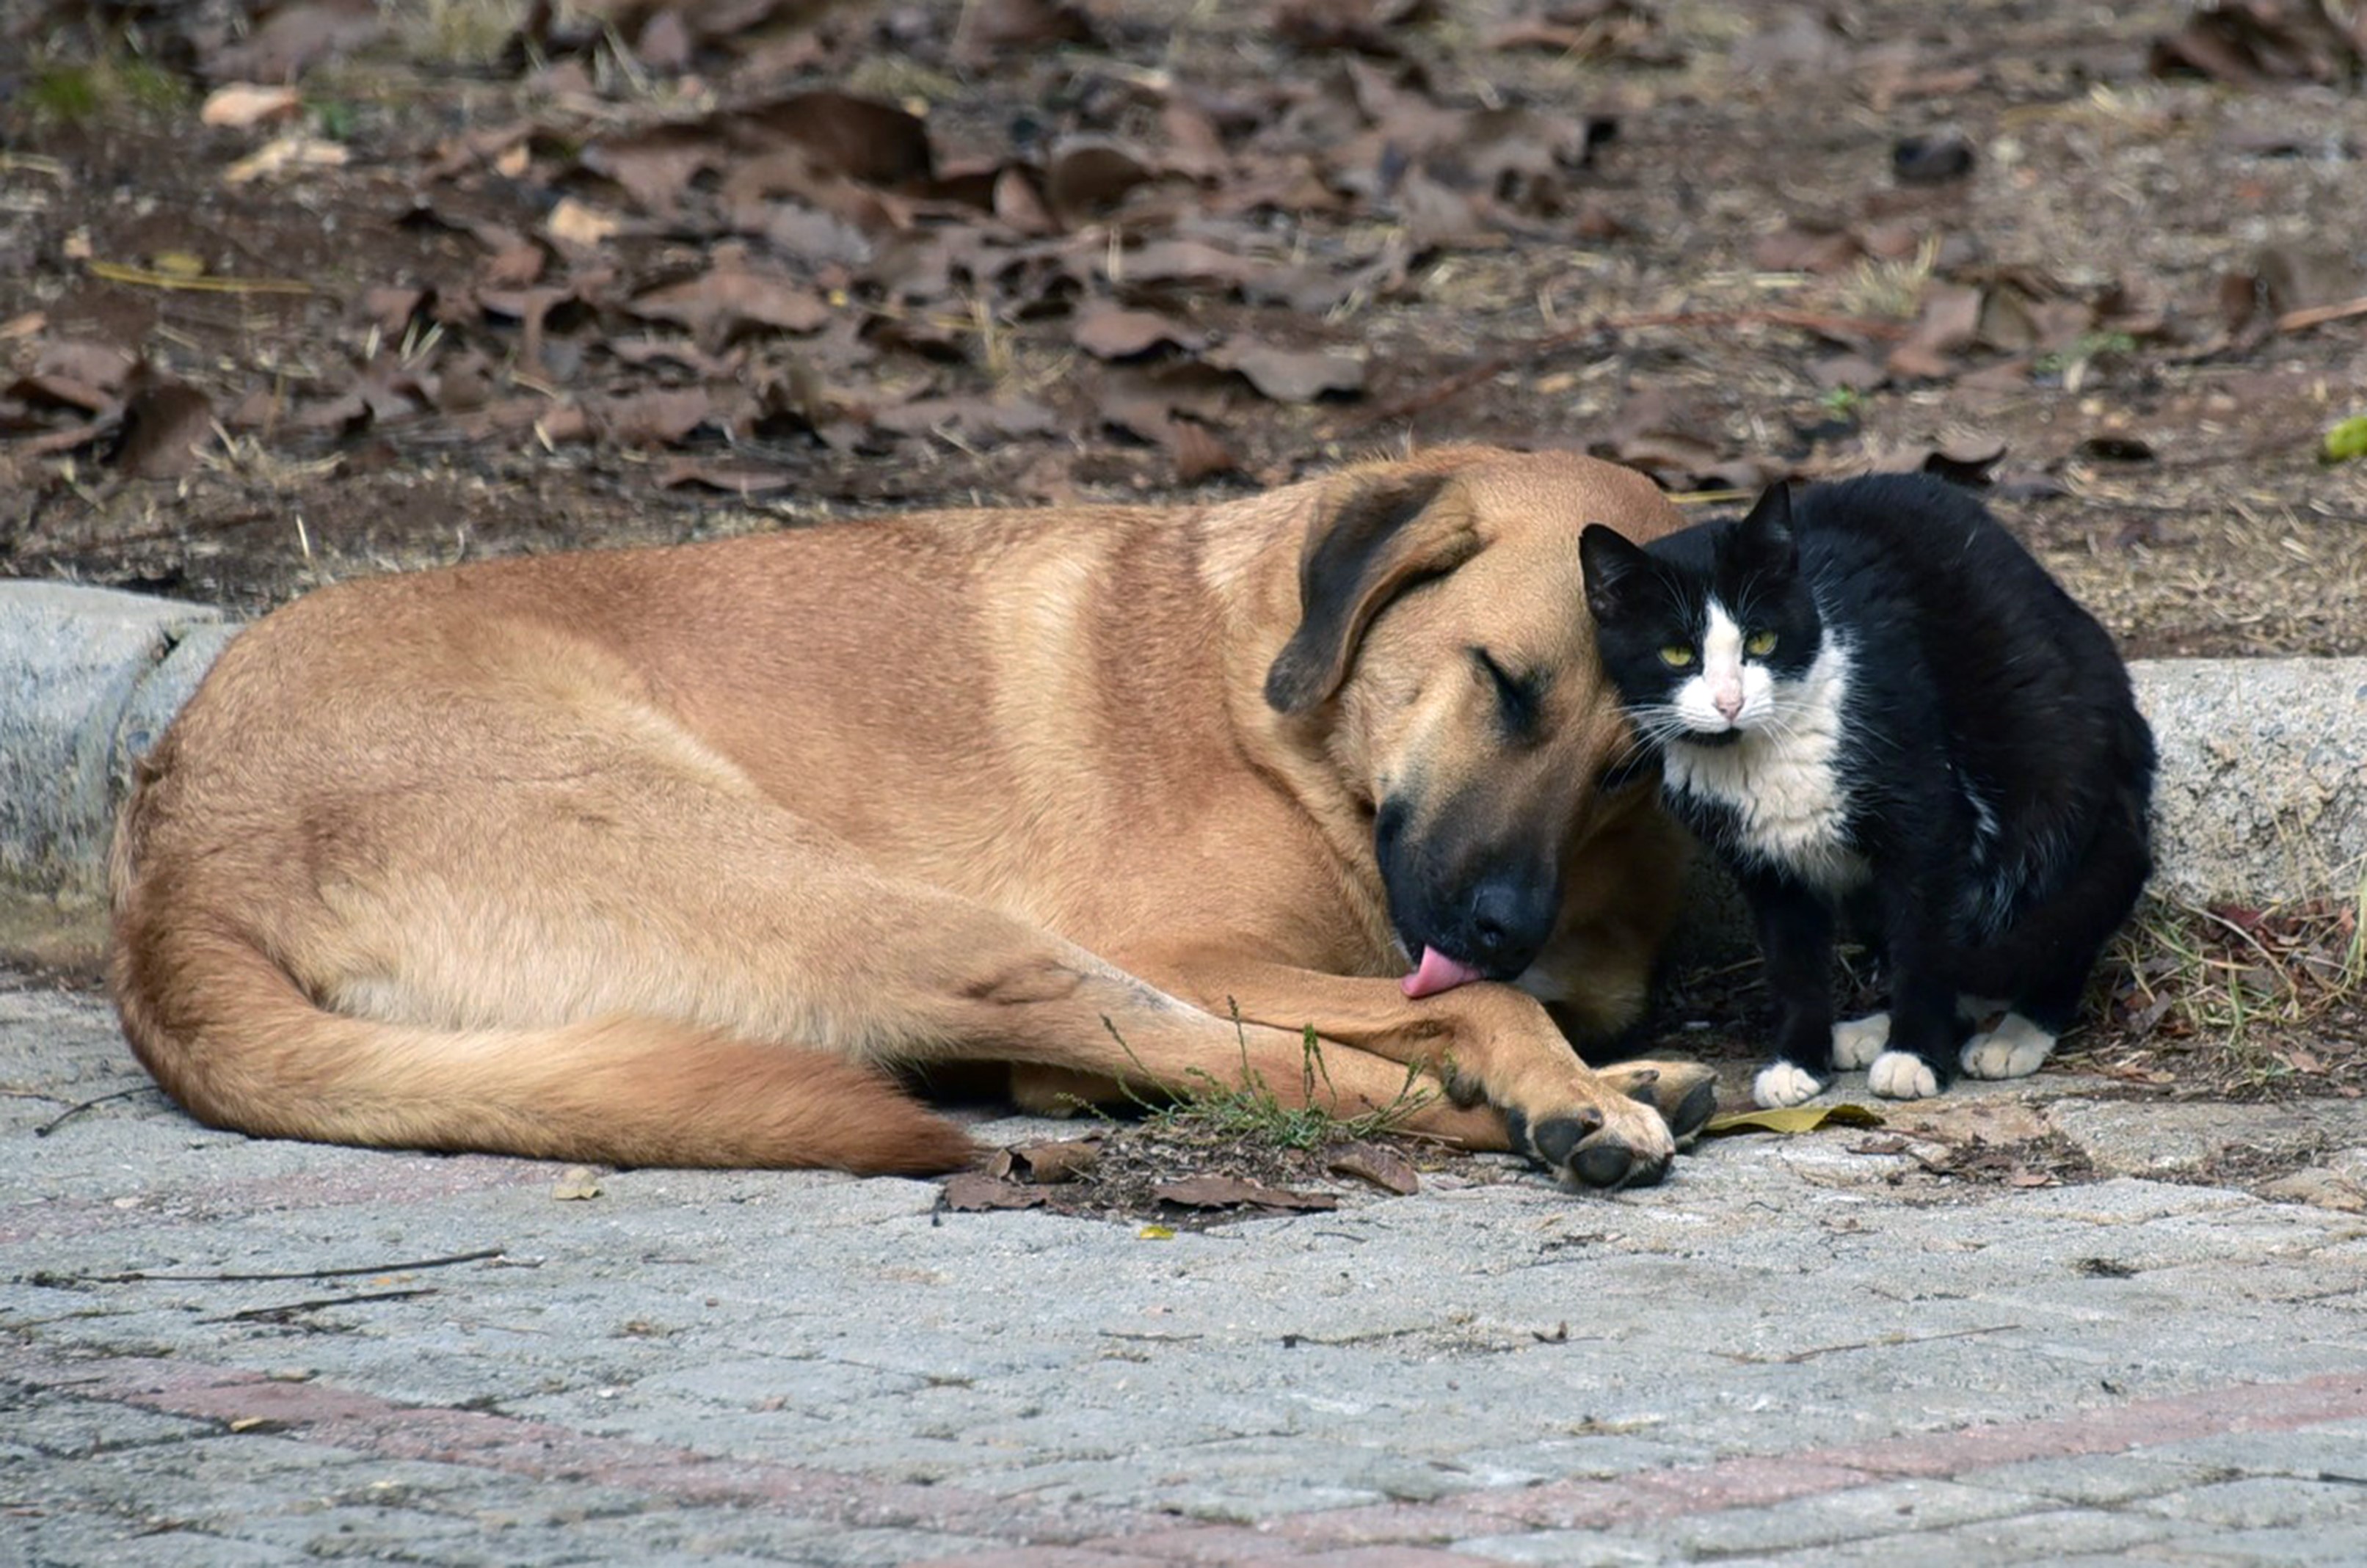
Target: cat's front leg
1919,1057
1796,943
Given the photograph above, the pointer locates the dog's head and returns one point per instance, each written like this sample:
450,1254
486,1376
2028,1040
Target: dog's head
1445,658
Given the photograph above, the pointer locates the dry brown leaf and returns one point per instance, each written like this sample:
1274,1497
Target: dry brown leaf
1050,1162
989,28
860,138
1592,29
1018,203
731,476
1199,452
1107,332
1233,1193
658,417
1377,1163
392,309
1950,323
164,423
1796,249
2251,43
657,164
663,43
720,304
1194,147
1681,444
1851,370
1290,375
974,1191
102,369
290,40
1963,456
1088,176
1182,261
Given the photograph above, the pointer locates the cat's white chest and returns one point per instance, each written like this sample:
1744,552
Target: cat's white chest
1781,784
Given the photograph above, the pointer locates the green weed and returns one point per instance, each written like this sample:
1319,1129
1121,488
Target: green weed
1205,1108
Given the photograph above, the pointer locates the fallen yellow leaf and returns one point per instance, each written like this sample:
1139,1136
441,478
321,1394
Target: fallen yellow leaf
295,150
1792,1119
580,224
242,104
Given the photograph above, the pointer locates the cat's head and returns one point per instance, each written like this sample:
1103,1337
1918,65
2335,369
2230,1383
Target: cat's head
1702,631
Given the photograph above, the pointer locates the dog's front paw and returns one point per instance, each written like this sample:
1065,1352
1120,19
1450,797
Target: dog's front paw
1622,1143
1902,1075
2014,1049
1685,1093
1860,1041
1780,1084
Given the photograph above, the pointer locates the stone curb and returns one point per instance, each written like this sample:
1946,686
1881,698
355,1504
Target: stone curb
89,677
2262,793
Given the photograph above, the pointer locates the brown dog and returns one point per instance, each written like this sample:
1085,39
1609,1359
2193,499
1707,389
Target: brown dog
660,857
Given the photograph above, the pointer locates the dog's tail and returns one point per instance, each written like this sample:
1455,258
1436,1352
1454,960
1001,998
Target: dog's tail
229,1035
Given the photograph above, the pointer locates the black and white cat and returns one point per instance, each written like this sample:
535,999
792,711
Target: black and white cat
1871,694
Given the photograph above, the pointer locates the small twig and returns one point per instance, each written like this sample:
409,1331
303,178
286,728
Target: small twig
71,1112
1889,1341
2319,315
141,1276
1489,369
140,276
289,1309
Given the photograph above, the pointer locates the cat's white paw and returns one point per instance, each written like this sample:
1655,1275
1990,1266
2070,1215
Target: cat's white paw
1780,1084
1860,1039
2014,1049
1902,1075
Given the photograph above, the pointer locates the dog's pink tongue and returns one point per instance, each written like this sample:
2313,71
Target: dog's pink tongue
1437,973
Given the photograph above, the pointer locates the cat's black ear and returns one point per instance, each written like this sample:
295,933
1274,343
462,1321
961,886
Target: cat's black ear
1614,563
1766,534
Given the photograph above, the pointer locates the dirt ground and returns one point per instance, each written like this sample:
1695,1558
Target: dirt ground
298,292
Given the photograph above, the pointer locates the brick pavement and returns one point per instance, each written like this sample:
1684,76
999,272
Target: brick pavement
220,1350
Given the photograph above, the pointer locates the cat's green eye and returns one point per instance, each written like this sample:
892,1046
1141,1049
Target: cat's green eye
1759,645
1676,656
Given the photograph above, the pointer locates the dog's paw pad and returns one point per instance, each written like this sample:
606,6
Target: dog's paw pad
1556,1139
1691,1113
1780,1084
2014,1049
1608,1163
1580,1151
1860,1041
1902,1075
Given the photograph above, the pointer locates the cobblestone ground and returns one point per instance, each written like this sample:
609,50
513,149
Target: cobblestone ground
217,1350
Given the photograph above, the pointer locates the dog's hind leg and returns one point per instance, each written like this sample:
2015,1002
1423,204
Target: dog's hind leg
614,946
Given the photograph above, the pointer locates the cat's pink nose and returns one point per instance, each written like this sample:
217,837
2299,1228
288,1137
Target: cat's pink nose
1729,702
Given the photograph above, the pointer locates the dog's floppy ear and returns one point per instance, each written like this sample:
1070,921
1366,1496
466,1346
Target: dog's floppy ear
1363,550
